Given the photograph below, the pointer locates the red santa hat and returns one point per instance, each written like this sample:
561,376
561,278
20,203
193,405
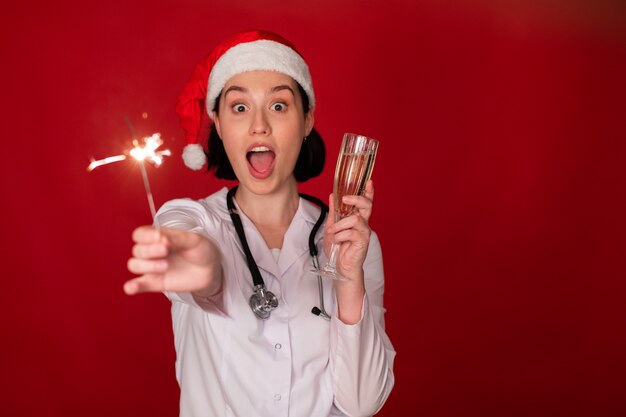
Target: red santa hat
247,51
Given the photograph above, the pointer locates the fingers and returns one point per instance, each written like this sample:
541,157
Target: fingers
147,266
152,243
353,221
172,260
181,239
368,195
355,227
351,233
178,238
363,204
148,260
369,190
150,250
147,234
350,229
146,283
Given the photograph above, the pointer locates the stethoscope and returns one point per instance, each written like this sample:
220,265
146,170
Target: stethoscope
262,301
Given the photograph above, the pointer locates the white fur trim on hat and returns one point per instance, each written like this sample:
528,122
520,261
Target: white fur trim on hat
260,55
194,156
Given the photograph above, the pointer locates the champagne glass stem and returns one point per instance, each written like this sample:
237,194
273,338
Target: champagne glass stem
332,258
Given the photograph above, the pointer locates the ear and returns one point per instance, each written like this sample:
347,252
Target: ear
216,121
309,121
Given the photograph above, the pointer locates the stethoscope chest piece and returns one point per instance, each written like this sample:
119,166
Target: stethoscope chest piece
262,302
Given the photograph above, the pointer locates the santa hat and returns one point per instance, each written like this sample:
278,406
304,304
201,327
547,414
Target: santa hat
247,51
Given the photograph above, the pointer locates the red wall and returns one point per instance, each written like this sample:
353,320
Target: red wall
500,193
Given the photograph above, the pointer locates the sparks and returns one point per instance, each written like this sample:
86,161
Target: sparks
147,152
95,164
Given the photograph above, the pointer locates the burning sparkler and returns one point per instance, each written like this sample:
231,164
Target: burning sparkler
147,152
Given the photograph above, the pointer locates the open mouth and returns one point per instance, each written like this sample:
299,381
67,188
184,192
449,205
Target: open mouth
261,159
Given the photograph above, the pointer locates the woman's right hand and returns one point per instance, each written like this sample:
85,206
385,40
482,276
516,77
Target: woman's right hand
173,260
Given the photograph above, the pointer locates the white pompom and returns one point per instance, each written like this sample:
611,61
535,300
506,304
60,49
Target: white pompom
194,156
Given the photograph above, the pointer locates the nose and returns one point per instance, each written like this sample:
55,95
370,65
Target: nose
259,124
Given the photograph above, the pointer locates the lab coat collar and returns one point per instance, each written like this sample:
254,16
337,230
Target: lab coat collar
295,243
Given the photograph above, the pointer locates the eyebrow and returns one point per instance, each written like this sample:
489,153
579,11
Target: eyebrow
283,87
234,88
272,90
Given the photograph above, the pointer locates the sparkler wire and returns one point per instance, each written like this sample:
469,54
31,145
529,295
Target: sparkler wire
146,185
140,154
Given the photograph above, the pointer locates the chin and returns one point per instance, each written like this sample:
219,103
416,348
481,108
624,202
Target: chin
268,185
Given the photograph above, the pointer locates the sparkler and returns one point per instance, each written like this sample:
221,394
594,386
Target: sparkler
147,152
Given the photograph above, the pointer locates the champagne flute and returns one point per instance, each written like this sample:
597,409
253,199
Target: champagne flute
354,169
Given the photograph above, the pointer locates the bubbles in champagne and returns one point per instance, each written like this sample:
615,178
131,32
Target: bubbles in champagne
353,171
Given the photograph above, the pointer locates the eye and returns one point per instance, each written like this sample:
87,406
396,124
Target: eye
280,107
239,108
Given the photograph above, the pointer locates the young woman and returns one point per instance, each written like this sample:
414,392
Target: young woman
256,334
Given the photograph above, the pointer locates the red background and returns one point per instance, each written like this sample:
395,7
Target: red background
500,193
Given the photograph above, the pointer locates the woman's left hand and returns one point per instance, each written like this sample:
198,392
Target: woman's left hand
352,233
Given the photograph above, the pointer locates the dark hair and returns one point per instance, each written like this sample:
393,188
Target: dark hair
310,161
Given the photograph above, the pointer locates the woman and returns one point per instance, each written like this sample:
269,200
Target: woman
276,358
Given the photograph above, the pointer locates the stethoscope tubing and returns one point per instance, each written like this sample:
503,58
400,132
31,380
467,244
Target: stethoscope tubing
262,301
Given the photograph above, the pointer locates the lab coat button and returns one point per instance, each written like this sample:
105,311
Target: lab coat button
278,346
277,397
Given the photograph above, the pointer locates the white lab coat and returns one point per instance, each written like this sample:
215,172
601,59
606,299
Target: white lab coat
230,363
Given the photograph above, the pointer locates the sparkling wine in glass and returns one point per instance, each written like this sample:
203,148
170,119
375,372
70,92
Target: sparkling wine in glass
354,169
